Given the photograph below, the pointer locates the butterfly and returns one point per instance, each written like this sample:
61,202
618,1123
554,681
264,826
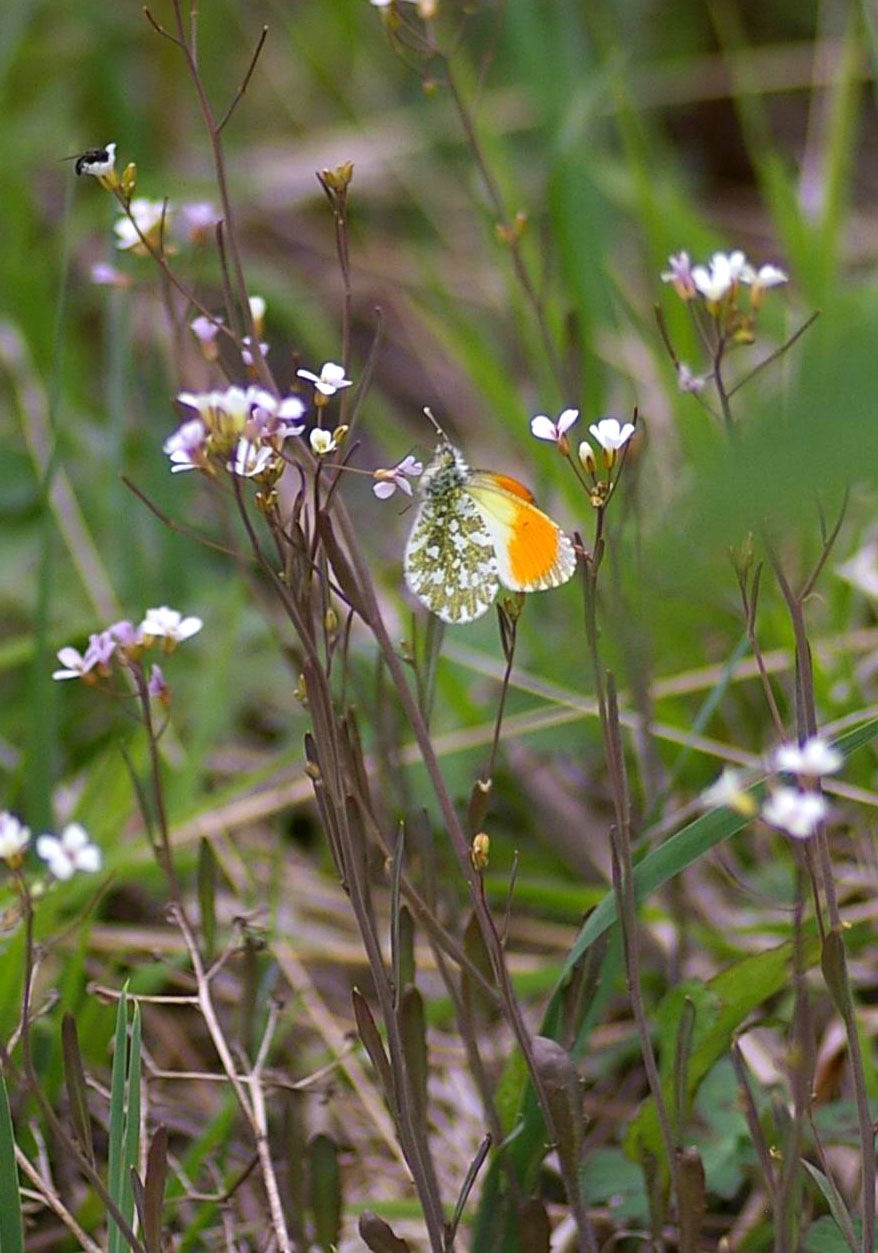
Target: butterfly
475,531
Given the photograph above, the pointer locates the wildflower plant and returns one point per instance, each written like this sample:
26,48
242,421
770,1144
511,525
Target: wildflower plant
277,450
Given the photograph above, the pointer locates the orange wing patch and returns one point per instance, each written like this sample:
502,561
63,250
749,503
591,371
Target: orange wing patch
509,484
533,547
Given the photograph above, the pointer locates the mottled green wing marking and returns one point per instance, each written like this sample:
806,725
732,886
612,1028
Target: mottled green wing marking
449,558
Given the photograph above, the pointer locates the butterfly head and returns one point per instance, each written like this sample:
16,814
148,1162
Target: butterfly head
446,471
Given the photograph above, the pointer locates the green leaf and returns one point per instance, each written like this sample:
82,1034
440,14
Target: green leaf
326,1200
11,1229
115,1157
836,1204
737,991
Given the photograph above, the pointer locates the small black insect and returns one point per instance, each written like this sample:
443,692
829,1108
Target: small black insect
94,160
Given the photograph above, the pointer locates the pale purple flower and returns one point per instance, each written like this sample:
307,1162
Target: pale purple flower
687,381
198,220
169,624
330,380
186,447
124,634
14,837
73,851
96,657
158,686
389,480
679,274
798,813
543,427
814,758
206,331
246,354
105,275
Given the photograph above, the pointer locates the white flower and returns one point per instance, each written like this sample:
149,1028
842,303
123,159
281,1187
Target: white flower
395,477
186,446
814,758
330,380
862,569
728,792
321,441
765,276
227,412
14,837
73,851
251,459
289,411
797,813
148,215
542,427
99,162
726,269
169,624
610,434
680,275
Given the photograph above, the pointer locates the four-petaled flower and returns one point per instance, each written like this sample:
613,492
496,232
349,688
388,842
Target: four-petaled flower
798,813
14,838
78,665
395,477
814,758
680,275
543,427
147,218
330,380
611,435
73,851
765,276
169,625
724,272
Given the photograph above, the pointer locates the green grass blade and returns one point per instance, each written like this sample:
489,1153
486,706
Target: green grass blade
11,1229
132,1117
115,1155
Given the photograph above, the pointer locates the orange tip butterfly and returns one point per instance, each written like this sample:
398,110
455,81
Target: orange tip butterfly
475,531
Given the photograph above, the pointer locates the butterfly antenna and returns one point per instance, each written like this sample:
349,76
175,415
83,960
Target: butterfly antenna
429,414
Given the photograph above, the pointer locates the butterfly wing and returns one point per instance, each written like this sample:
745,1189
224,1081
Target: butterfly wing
449,558
532,552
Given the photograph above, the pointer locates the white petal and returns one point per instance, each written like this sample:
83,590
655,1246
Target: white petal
543,428
566,420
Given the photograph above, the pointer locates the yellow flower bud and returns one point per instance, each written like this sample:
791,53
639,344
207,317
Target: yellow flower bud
481,848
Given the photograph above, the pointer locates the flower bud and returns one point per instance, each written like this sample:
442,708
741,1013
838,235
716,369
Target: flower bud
586,457
129,179
481,848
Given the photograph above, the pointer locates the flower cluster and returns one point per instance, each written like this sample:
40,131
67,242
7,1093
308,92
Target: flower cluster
242,429
64,854
795,809
721,278
124,642
610,435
